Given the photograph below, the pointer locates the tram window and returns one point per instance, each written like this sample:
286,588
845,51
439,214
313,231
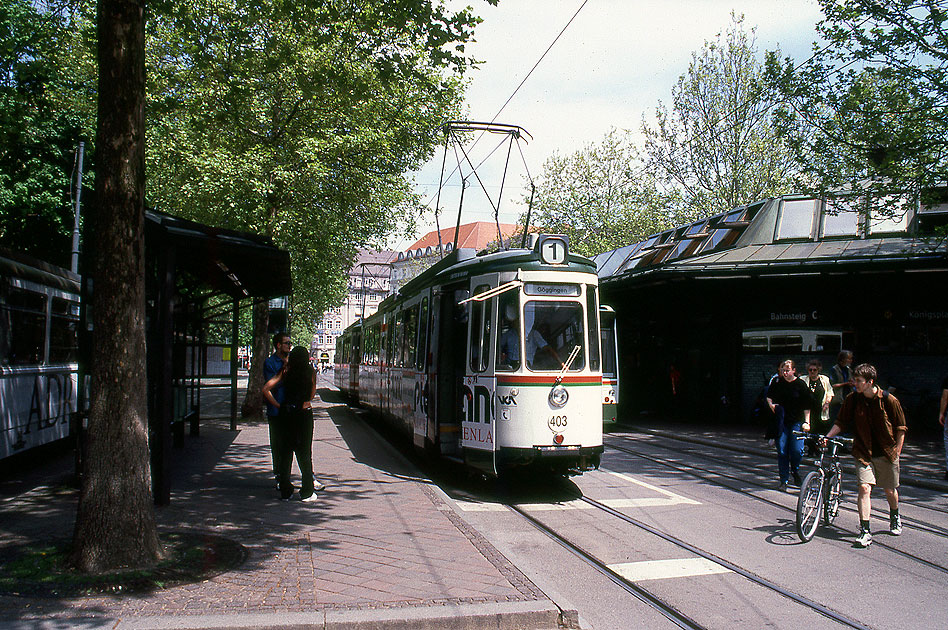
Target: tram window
592,310
480,324
553,329
786,343
399,337
609,359
25,314
422,335
508,341
411,338
63,331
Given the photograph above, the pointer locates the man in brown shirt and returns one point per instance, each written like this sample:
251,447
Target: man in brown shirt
877,423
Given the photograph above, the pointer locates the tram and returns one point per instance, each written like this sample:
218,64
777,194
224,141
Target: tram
610,364
490,360
39,325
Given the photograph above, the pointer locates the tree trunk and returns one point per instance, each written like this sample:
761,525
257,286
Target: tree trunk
253,402
115,521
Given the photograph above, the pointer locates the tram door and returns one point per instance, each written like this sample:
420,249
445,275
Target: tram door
448,334
477,425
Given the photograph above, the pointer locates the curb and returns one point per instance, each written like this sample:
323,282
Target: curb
500,616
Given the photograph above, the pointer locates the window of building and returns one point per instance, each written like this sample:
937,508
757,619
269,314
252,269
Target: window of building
796,219
840,219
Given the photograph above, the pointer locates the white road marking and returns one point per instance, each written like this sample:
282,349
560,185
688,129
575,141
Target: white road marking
662,569
671,495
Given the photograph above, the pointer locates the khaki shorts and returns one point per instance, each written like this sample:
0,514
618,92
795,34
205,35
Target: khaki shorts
880,472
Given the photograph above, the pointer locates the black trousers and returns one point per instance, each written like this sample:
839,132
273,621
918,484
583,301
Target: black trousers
296,437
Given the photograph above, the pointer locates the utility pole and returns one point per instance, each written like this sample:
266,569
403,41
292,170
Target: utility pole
75,227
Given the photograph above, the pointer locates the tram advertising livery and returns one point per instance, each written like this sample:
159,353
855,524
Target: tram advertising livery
492,360
39,317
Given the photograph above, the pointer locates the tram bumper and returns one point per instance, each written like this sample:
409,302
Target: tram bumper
560,457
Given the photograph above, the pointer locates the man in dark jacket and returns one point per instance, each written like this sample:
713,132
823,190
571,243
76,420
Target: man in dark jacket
877,423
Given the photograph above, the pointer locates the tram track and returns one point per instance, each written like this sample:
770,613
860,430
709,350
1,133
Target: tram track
756,452
663,607
696,471
916,524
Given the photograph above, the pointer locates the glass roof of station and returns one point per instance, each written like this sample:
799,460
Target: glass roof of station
778,231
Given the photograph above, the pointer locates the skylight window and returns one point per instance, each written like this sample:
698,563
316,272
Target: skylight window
796,219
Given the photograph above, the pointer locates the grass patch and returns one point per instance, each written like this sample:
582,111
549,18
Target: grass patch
41,570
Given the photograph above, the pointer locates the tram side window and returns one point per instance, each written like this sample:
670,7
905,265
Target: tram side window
63,331
508,341
411,337
786,343
480,330
399,338
24,318
422,335
592,310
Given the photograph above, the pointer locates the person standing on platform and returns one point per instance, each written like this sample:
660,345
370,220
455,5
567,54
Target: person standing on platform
941,419
789,399
295,421
821,393
877,422
842,381
271,367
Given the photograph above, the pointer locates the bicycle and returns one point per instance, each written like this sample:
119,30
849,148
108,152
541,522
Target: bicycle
820,492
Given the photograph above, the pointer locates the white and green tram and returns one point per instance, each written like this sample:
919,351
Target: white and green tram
492,360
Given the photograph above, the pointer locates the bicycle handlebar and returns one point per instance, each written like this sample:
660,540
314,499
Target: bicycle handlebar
841,441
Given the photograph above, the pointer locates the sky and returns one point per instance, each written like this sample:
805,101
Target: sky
614,63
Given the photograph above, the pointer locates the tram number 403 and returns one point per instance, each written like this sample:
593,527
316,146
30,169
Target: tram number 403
556,422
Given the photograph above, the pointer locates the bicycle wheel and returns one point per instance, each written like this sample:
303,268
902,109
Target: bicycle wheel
833,495
809,505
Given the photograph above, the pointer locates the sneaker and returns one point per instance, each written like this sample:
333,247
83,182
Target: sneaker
796,479
895,525
782,487
864,540
309,499
318,486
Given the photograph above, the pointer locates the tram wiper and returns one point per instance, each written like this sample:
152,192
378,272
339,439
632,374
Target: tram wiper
569,362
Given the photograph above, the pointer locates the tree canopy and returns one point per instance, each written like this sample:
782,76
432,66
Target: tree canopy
716,148
600,196
300,121
40,127
867,110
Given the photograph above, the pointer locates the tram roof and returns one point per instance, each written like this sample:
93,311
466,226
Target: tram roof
468,262
29,268
783,235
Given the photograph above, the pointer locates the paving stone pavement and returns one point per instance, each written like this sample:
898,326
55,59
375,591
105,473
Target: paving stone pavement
380,548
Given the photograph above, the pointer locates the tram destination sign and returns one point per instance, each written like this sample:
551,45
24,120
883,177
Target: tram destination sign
559,290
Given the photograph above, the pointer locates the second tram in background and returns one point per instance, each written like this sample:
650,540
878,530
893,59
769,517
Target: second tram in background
39,374
610,364
492,360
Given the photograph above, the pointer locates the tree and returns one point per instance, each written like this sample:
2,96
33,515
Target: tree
599,196
115,521
299,121
866,112
716,148
38,136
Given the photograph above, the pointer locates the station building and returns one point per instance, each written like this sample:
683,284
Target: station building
706,311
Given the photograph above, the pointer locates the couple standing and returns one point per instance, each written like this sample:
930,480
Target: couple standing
289,391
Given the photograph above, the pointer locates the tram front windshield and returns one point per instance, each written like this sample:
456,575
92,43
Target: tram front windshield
550,332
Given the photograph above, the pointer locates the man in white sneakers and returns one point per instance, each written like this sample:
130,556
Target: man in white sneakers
877,423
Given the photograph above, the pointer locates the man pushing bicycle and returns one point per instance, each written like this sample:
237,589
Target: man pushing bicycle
876,420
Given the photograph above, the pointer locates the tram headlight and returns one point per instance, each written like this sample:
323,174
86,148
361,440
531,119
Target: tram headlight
558,396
